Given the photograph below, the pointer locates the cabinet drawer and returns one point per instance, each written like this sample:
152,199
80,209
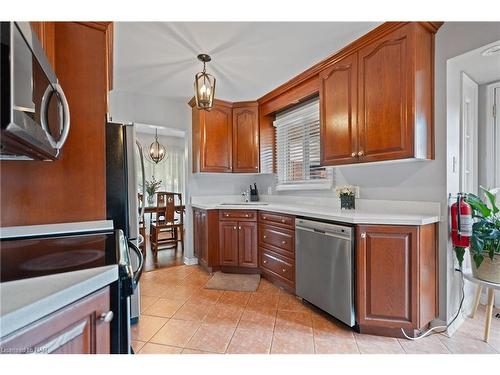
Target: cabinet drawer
278,237
240,215
281,220
278,266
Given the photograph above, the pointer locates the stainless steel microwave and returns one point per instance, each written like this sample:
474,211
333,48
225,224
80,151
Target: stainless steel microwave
34,112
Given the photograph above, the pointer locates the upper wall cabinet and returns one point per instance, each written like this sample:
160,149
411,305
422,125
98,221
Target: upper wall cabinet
376,103
338,111
226,138
246,138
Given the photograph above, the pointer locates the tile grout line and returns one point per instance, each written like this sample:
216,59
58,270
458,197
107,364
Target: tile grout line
237,324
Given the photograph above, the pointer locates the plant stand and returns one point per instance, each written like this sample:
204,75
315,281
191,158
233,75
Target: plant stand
491,287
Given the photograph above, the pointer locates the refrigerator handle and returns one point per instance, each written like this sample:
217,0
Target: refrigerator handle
141,153
138,272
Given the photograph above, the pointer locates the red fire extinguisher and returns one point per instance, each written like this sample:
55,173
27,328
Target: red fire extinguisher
461,222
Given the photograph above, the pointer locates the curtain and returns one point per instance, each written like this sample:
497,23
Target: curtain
170,171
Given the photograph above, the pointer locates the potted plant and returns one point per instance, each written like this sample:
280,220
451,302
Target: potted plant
152,186
484,246
347,196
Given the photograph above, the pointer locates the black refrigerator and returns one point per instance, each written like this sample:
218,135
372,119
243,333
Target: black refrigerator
124,163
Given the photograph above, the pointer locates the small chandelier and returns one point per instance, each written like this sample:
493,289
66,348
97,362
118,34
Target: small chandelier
204,86
157,151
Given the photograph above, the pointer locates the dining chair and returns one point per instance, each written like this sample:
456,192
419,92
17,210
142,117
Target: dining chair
165,223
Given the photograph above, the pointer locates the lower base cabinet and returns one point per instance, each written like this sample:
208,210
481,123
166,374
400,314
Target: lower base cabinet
206,238
80,328
396,278
396,265
238,239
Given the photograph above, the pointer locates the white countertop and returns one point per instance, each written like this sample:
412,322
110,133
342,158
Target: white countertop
22,302
371,212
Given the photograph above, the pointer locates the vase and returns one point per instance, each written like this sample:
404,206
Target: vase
489,270
347,202
151,200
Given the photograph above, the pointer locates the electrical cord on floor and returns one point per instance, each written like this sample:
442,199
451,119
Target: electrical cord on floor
428,332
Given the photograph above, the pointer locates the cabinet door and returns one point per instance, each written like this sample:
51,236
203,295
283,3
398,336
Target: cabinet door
216,139
247,244
386,277
385,101
75,329
338,106
228,243
246,139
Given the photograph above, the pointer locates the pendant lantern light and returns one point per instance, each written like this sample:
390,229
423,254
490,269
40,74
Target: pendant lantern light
204,86
157,151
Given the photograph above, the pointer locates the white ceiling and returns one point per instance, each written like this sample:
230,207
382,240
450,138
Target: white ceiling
248,58
482,69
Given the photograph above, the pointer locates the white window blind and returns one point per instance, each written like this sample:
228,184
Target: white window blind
298,149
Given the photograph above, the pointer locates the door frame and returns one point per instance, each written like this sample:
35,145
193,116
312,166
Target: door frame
469,90
492,132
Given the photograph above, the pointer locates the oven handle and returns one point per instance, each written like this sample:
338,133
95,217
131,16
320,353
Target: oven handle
49,91
138,271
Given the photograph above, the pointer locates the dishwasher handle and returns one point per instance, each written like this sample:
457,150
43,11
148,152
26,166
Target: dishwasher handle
346,236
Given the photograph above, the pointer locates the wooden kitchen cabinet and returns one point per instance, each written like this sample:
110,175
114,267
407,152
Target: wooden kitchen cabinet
80,52
226,138
247,245
206,238
338,112
213,138
228,243
396,278
80,328
377,102
238,238
277,248
246,137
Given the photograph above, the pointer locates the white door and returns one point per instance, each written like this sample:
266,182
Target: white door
468,136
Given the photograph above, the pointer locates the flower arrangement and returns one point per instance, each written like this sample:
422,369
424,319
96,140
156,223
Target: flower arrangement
347,190
347,196
152,186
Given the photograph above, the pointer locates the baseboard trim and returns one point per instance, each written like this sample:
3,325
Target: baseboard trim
190,261
455,325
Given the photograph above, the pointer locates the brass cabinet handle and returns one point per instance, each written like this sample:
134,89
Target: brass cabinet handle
283,221
353,154
264,217
246,215
106,316
361,153
283,242
363,235
227,215
239,228
234,228
284,270
265,236
264,261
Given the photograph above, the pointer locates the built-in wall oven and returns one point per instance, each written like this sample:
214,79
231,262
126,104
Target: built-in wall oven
34,112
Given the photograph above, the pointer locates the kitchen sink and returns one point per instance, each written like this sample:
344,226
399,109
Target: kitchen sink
245,204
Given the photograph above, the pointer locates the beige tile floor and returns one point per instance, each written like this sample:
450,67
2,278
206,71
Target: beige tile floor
179,316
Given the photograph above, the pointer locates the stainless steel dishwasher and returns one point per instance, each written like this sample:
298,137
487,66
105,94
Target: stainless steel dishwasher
324,270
